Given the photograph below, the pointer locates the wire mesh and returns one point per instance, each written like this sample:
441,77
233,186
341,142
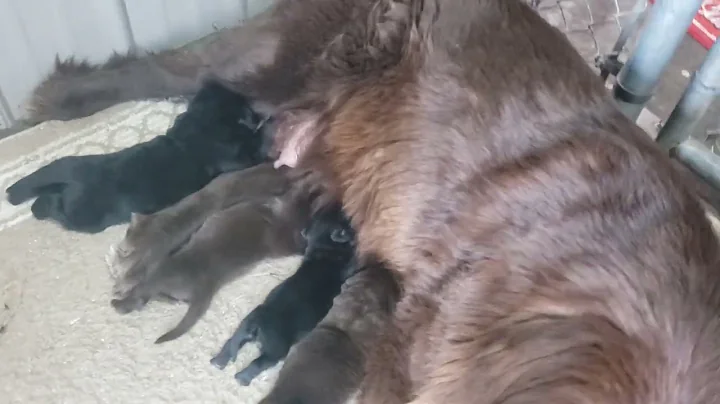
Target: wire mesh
593,26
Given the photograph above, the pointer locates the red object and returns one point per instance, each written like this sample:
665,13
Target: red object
705,27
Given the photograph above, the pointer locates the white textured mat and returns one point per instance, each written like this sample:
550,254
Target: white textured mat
61,342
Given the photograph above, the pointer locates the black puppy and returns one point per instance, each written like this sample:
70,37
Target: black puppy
219,132
296,306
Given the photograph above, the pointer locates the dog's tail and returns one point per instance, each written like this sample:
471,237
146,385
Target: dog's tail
198,306
56,174
78,89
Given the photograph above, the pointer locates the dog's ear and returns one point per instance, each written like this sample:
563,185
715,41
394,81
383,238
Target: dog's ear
389,23
372,45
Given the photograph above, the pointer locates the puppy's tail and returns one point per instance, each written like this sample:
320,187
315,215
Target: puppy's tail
54,175
78,89
198,307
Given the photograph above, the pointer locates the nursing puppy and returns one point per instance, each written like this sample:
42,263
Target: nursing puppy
221,249
547,250
219,132
150,239
327,365
294,307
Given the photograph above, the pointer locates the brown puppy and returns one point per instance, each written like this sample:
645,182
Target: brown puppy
151,238
217,251
333,354
547,250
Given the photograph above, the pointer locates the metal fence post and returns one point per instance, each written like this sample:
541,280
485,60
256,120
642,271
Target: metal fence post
695,101
632,23
666,26
699,159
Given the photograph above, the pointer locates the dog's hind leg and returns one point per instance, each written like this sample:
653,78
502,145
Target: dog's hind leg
246,332
47,206
257,366
132,301
135,297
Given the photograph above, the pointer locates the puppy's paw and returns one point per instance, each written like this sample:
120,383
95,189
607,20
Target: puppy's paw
244,377
122,288
227,354
128,304
220,360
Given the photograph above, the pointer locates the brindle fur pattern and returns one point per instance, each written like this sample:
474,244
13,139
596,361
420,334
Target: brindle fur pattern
548,251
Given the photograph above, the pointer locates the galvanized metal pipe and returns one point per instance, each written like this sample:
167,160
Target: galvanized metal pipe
699,159
629,26
704,87
667,24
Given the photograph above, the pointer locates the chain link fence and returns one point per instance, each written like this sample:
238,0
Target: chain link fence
593,26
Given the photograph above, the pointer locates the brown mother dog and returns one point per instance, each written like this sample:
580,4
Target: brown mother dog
548,251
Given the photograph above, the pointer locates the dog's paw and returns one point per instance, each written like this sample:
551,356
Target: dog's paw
128,304
244,377
220,360
227,354
122,288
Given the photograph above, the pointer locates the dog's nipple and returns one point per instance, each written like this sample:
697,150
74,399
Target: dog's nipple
288,157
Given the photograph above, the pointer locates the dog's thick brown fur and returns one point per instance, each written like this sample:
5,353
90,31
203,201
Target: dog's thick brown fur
548,251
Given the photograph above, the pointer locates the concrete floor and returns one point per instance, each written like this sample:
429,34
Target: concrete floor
677,76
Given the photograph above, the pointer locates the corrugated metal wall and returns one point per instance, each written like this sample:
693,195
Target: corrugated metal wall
33,32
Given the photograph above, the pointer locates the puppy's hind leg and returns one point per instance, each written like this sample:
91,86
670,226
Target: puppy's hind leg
246,332
47,206
138,295
259,365
134,300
